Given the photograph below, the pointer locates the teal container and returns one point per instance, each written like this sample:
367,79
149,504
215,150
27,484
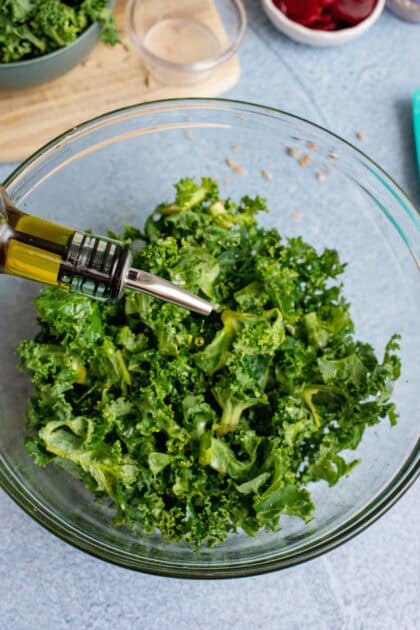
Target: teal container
32,72
416,122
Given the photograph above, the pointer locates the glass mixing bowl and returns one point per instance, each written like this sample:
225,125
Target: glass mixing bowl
113,170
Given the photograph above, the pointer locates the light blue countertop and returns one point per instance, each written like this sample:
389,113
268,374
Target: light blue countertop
372,581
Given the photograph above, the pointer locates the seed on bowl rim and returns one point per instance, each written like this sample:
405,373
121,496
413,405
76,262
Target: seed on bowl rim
294,152
305,160
236,168
360,135
311,145
267,174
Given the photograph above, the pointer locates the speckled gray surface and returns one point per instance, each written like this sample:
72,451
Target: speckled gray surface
374,580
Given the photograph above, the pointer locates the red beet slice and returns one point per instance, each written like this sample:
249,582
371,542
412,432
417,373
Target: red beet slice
281,5
352,11
325,22
324,26
303,11
327,15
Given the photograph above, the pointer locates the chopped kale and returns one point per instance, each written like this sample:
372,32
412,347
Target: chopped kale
201,427
31,28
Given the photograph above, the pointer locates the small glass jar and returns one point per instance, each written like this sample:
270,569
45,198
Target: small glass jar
182,42
406,9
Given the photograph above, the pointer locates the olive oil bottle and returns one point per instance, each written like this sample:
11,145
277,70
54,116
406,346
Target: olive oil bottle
84,263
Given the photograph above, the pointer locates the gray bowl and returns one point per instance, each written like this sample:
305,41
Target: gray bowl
31,72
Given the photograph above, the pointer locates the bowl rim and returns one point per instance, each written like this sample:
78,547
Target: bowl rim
286,25
198,66
55,53
409,469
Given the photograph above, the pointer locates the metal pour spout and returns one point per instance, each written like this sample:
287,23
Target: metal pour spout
160,288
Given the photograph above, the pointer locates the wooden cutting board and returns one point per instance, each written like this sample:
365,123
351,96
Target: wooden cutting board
108,79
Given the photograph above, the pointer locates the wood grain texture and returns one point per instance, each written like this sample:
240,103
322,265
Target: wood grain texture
110,78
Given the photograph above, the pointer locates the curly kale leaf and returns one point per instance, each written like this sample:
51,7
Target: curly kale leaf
106,464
